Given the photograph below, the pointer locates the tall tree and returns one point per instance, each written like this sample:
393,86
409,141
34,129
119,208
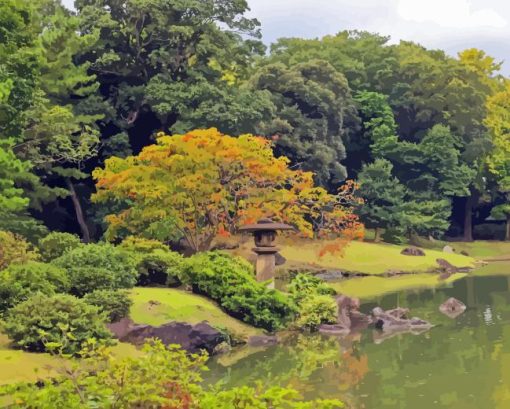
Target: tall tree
314,110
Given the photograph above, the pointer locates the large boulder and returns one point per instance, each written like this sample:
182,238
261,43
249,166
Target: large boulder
192,338
452,307
412,251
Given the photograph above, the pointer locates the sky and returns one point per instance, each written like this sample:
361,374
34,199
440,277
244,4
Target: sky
451,25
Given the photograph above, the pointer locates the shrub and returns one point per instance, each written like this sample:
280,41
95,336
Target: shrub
161,377
155,263
98,267
19,281
316,310
230,281
62,320
305,284
114,303
56,244
15,249
488,231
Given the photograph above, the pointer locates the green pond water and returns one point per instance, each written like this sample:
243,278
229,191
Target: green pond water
460,363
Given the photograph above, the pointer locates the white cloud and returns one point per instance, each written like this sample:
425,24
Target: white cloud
450,13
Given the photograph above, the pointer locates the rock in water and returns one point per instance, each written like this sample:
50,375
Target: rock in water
412,251
192,338
262,340
395,320
452,307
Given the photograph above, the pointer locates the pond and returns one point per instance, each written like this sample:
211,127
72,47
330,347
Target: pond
460,363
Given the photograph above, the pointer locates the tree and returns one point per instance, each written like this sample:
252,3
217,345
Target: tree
204,184
314,109
382,194
191,49
498,121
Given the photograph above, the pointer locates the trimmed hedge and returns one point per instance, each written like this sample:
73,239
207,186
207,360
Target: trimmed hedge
230,281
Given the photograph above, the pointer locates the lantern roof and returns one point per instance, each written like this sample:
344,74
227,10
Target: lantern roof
265,224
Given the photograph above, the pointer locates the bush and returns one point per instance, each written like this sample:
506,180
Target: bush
15,249
394,236
19,281
114,303
489,231
316,310
161,377
305,284
98,267
155,263
230,281
56,244
61,320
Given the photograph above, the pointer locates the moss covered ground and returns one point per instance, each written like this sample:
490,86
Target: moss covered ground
155,306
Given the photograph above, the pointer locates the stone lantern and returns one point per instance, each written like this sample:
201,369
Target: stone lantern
264,233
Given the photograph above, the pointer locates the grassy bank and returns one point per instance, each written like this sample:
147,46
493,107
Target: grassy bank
360,257
156,306
373,286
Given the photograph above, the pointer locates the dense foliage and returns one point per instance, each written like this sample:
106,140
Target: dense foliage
165,377
62,320
78,88
56,244
114,303
98,267
231,282
20,281
204,184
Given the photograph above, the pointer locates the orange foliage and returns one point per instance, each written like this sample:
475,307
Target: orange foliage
205,184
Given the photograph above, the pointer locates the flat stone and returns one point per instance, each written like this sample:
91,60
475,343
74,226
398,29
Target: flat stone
412,251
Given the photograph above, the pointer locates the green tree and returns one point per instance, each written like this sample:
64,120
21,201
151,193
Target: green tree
314,109
383,195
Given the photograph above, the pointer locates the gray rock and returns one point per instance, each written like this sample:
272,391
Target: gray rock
334,329
192,338
395,320
262,340
448,249
452,307
412,251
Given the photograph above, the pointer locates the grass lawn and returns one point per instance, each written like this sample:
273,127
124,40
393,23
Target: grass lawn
368,258
156,306
21,366
495,268
484,249
370,287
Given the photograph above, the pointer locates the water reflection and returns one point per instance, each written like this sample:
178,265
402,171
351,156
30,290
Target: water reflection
462,363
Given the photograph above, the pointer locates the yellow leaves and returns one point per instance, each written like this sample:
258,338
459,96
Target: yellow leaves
204,181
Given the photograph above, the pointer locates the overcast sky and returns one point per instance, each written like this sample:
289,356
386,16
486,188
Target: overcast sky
451,25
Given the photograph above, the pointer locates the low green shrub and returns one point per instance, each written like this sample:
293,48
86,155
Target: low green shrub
305,284
230,281
56,244
19,281
98,267
315,310
64,321
156,264
114,303
161,377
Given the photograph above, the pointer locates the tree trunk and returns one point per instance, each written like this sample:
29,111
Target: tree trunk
507,235
79,212
377,237
468,218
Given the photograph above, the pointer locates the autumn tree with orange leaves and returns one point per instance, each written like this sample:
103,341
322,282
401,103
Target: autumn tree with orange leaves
204,184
